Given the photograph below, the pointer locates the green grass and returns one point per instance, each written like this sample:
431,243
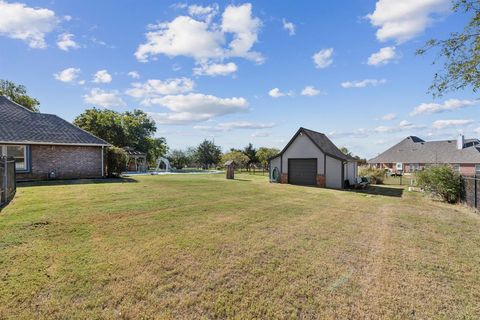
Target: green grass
201,246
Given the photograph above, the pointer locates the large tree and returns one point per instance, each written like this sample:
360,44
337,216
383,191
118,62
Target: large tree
18,93
208,154
251,153
129,129
178,158
264,154
240,158
460,53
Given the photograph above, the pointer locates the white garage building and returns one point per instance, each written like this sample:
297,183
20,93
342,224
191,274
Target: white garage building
310,158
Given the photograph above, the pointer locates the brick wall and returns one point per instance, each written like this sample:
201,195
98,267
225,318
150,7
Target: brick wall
321,182
69,162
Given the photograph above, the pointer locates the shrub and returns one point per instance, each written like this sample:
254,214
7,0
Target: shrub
441,181
116,161
376,175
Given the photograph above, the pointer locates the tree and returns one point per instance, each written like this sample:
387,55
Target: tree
361,161
129,129
18,94
264,154
157,147
460,53
239,157
116,161
251,153
208,154
345,151
178,159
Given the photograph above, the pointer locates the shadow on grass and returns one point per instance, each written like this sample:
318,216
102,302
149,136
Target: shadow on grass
73,182
381,191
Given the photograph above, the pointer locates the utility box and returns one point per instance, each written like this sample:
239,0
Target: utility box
230,165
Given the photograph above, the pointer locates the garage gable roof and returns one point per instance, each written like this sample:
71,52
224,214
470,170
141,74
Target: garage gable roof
322,142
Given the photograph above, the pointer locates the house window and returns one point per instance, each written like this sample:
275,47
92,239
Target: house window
456,167
19,153
414,167
477,169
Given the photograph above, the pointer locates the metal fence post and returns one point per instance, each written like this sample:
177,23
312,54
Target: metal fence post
5,179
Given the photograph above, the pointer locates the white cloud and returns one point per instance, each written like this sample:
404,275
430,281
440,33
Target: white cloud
17,21
134,74
215,69
389,116
102,76
323,58
310,91
260,134
276,93
194,107
477,130
204,40
382,57
449,105
402,126
442,124
65,42
205,13
155,88
289,26
68,75
363,83
227,126
405,19
103,98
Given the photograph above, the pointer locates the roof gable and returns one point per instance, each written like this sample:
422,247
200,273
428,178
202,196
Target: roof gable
322,142
20,125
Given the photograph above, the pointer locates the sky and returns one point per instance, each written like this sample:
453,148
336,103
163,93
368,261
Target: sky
240,72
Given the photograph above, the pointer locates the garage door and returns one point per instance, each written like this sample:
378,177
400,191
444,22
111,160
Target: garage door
302,171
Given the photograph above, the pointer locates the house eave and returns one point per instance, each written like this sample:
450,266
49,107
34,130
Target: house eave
57,143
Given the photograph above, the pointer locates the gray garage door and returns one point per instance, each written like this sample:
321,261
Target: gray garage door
302,171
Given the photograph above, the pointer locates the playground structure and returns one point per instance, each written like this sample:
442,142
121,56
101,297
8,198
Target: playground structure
165,161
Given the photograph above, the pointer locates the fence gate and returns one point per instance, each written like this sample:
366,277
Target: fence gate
471,191
8,184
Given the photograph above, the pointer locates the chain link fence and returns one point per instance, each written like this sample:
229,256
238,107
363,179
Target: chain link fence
8,184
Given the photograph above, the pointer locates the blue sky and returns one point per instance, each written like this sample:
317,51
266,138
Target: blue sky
242,72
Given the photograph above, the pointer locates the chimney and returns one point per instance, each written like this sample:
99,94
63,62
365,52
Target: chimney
460,141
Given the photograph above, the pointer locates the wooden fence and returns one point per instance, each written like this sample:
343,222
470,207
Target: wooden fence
471,192
8,184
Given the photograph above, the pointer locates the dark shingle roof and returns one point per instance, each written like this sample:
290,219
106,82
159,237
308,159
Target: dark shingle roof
416,150
20,125
322,142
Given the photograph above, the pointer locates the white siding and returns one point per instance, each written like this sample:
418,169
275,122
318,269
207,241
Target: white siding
351,172
303,147
334,173
275,162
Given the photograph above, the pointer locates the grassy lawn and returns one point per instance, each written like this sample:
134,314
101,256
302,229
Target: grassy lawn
199,246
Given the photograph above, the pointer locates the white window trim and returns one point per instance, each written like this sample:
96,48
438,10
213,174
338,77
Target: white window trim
3,149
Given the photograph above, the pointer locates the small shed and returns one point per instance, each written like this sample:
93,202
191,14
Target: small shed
230,164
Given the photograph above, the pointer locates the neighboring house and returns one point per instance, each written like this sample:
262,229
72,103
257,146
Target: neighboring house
310,158
46,147
412,154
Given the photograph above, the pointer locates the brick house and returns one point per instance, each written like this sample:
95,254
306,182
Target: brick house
47,147
413,154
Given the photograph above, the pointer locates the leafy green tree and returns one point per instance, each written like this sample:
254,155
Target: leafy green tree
18,93
208,154
178,158
251,153
360,161
239,157
116,161
263,154
156,147
441,181
345,151
105,124
460,53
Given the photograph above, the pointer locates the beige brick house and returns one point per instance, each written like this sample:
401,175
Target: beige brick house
47,147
